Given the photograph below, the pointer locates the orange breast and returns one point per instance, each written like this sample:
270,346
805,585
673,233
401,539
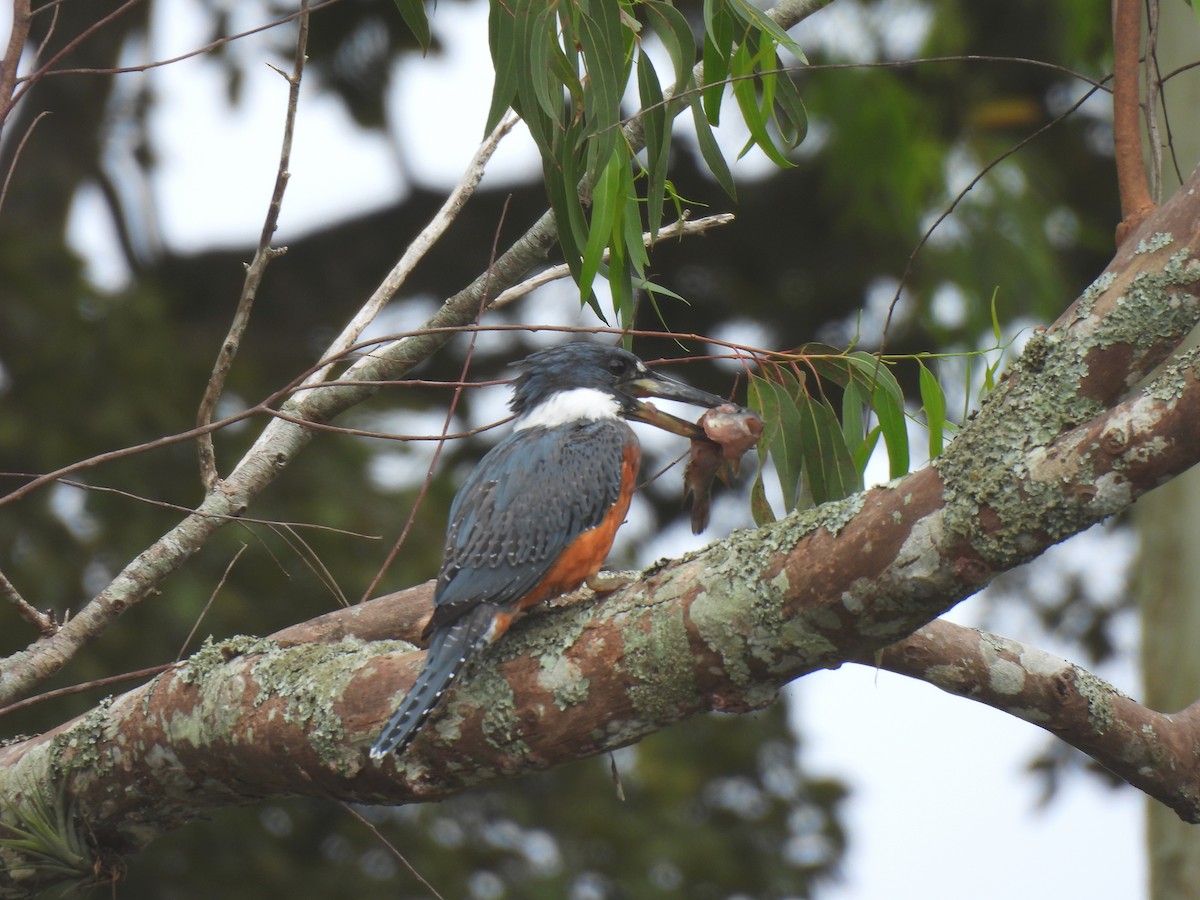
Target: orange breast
587,552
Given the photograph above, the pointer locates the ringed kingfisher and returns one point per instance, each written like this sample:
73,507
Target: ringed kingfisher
537,516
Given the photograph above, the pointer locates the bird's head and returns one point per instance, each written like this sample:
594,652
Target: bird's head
599,374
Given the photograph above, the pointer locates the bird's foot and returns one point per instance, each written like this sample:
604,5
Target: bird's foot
596,585
607,582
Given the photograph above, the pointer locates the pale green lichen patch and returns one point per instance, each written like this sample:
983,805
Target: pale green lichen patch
1169,385
311,678
569,625
1006,677
804,646
991,503
836,514
1099,696
493,694
1094,291
1040,663
563,680
722,626
214,654
659,659
82,742
1154,242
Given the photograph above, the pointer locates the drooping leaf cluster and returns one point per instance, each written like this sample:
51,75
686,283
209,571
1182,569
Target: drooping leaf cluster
566,67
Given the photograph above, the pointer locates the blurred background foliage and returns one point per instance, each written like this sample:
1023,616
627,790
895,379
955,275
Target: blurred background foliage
716,807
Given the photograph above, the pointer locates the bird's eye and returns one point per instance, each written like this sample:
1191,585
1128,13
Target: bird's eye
618,366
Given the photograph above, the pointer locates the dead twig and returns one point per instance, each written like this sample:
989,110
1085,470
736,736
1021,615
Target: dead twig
258,266
39,620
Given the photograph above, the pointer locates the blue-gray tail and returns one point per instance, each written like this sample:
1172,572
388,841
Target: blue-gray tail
449,649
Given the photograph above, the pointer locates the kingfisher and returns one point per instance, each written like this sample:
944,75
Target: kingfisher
537,516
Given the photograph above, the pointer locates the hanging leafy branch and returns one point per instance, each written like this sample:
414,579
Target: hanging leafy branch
565,67
825,412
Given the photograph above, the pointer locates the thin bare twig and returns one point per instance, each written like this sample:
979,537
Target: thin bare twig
12,166
208,605
386,436
1127,134
949,210
258,266
450,410
8,102
1160,84
80,688
39,620
420,245
179,507
679,228
308,556
1150,107
54,8
400,856
198,51
21,18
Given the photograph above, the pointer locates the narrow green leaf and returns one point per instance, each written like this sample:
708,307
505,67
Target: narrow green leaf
627,252
506,61
873,373
791,118
657,128
653,288
755,17
934,401
853,424
536,39
562,175
756,112
718,47
781,407
711,151
606,205
564,70
895,433
620,285
600,35
760,508
761,395
828,463
631,226
676,35
543,48
862,453
413,13
999,335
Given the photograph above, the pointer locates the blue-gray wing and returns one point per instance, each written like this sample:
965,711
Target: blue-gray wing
522,506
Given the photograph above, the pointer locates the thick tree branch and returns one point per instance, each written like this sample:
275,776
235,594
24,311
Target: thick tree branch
1149,750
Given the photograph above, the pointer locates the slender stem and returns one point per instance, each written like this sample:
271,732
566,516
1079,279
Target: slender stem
254,272
39,620
1127,138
